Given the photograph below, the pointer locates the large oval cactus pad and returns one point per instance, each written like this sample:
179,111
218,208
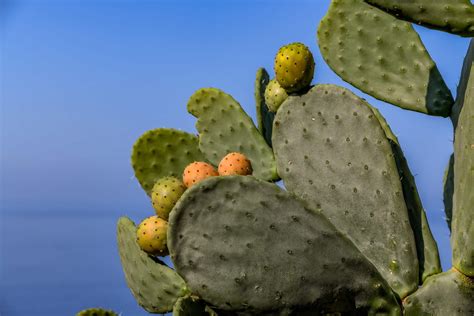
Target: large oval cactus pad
244,244
453,16
426,247
448,293
163,152
264,116
155,286
462,237
224,127
396,69
332,152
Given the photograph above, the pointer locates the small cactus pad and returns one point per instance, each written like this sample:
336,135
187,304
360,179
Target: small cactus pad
155,286
243,244
448,293
274,95
198,171
163,152
96,312
165,193
264,116
151,236
224,127
462,86
294,67
462,237
448,185
235,164
426,247
453,16
396,69
332,152
190,306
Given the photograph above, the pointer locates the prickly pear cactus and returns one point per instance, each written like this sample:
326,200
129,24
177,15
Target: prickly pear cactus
348,235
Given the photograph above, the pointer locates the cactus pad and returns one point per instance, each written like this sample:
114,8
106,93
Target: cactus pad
243,244
332,152
155,286
189,306
448,191
96,312
453,16
462,237
224,127
462,86
448,293
396,69
264,116
426,248
163,152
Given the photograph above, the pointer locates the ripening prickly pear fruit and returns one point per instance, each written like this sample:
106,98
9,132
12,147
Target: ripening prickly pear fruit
96,312
164,195
235,164
274,95
196,172
294,67
151,236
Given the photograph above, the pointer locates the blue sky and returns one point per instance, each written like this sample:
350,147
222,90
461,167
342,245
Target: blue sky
80,82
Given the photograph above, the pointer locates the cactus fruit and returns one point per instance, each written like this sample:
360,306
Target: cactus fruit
155,286
274,95
294,67
235,164
332,152
96,312
151,236
163,152
224,127
453,16
196,172
447,293
164,195
246,245
396,69
264,116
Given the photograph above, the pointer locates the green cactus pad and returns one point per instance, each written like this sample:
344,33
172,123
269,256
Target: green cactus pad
190,306
448,293
244,244
462,86
264,116
96,312
155,286
332,152
462,236
426,247
448,191
224,127
397,68
453,16
163,152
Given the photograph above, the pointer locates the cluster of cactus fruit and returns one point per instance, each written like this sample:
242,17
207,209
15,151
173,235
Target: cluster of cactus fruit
348,234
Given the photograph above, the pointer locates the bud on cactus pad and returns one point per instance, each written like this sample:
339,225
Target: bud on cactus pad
235,164
196,172
165,193
294,67
274,95
96,312
151,236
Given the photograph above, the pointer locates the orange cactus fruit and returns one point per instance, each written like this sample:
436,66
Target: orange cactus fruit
197,171
235,164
